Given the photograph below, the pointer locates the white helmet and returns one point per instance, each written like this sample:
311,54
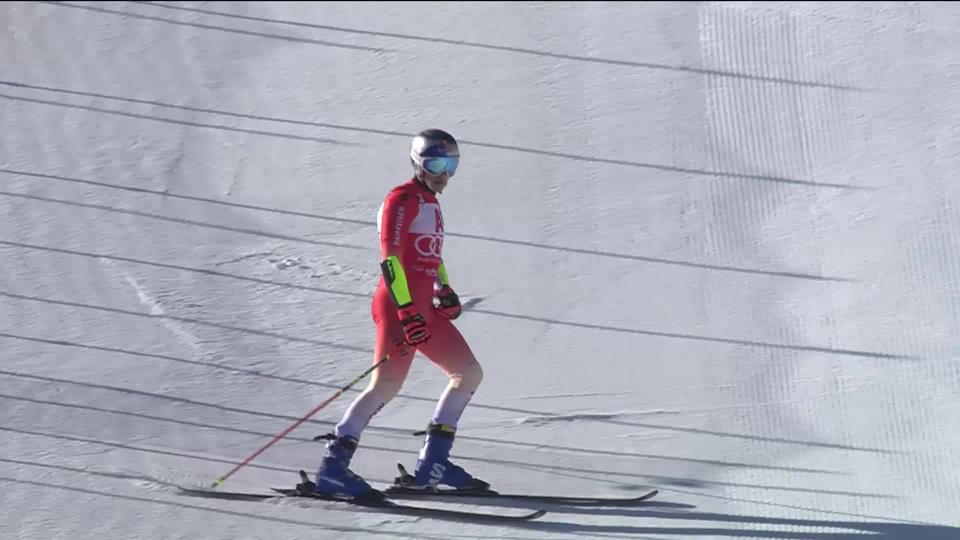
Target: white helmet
435,151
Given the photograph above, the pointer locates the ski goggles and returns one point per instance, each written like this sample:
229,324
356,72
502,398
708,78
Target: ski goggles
438,165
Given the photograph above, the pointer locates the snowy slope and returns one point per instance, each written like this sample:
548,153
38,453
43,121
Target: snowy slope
710,248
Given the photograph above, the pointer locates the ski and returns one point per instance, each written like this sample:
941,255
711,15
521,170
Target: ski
385,505
227,495
420,511
400,491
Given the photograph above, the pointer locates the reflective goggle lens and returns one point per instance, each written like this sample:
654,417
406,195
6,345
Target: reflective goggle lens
439,165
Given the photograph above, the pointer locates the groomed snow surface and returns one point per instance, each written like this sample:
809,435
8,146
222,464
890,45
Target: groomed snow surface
708,248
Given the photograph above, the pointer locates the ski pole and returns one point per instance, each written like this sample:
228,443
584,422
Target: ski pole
222,479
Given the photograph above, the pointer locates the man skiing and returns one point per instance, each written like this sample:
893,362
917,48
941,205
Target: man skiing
410,227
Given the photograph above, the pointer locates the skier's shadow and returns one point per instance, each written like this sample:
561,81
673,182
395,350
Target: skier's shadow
663,510
856,530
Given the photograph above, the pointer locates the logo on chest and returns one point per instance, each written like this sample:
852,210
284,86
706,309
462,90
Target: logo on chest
427,230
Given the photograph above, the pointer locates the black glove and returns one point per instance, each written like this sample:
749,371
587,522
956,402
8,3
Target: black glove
449,302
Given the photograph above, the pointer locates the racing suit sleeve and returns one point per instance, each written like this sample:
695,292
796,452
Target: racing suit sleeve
399,211
442,277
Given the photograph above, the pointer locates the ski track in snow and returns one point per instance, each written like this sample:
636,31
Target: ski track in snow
572,417
157,309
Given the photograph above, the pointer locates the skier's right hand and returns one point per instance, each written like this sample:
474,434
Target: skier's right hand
414,327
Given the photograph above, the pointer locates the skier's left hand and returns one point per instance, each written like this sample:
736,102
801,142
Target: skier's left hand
449,302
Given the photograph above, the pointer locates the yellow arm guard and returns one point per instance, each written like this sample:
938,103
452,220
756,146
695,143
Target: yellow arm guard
442,272
396,280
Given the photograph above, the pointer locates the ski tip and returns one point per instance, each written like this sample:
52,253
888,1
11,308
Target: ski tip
227,495
537,514
651,494
195,490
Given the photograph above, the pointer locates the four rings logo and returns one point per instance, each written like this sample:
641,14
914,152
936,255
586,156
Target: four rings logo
429,245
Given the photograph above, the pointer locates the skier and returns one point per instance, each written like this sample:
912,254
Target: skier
413,274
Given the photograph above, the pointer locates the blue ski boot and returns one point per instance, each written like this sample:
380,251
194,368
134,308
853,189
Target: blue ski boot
434,467
334,477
